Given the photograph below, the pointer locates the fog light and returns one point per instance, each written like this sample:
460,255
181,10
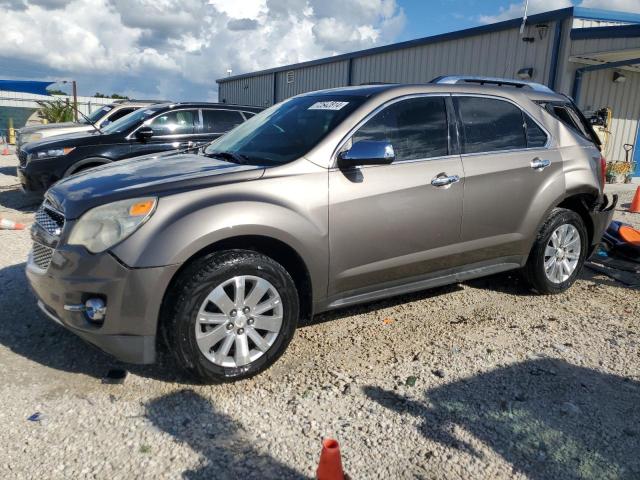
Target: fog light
95,309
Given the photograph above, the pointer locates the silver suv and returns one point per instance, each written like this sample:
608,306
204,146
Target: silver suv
328,199
101,117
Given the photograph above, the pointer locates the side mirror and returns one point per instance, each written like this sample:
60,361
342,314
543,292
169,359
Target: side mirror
367,152
144,133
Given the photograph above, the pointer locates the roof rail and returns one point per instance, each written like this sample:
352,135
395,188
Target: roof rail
507,82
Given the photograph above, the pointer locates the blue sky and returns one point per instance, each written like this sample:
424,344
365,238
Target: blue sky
175,49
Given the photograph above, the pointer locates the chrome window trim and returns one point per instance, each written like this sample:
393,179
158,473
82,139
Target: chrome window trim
511,150
378,109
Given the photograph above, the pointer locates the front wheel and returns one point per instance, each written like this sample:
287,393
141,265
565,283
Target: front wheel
558,253
231,315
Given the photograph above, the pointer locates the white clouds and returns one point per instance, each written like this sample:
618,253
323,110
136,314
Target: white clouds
177,47
515,10
623,5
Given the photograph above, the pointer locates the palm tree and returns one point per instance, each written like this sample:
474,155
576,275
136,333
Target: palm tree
55,111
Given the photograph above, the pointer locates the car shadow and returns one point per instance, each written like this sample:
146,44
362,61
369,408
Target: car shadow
391,302
549,419
11,197
191,419
27,332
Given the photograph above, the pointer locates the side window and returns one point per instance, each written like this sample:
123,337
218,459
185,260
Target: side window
220,121
174,123
566,114
417,128
248,115
489,125
536,138
118,114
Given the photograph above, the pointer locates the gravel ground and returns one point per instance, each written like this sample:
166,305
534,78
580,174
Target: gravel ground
477,380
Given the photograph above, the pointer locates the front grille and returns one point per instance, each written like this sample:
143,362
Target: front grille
49,219
42,255
22,156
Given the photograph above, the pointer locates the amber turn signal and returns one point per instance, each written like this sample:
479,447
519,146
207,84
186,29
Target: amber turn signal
141,209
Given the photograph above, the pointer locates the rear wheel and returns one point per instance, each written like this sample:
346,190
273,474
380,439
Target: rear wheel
231,315
558,254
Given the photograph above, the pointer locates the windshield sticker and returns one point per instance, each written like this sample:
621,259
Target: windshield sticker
328,105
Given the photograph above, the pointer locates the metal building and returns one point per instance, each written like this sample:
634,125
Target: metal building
593,55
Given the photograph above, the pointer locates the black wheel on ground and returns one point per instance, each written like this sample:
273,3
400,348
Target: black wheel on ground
230,315
558,254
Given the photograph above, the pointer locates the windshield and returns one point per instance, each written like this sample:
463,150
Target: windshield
97,115
129,121
286,131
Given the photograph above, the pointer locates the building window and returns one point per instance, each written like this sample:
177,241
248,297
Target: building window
290,76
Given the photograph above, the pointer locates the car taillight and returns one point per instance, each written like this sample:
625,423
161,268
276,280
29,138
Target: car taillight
603,170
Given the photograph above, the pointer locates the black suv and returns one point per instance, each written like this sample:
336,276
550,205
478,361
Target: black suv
157,128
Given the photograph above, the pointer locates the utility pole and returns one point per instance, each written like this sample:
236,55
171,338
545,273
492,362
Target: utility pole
75,99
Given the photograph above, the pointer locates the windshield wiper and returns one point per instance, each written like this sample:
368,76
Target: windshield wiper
97,129
229,156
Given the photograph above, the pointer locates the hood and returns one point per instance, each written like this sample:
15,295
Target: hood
76,139
50,126
144,176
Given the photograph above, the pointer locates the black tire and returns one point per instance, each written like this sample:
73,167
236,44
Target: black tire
190,290
534,271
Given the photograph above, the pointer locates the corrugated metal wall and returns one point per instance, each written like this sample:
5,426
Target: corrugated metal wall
308,79
256,90
598,90
589,23
499,54
580,47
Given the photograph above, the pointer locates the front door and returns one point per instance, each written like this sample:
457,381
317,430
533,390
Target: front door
511,178
171,130
389,223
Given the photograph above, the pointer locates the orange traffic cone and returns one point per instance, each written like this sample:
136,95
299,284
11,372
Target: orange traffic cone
330,465
635,203
11,225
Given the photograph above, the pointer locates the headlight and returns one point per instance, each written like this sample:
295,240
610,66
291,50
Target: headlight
31,137
54,152
102,227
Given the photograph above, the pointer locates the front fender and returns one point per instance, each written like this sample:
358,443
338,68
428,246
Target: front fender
186,223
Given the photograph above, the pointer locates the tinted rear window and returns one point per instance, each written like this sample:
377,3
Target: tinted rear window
220,121
489,125
536,138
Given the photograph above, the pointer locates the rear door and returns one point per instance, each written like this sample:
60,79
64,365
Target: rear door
171,130
216,122
387,223
511,177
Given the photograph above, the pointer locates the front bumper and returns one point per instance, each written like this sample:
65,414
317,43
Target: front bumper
133,297
601,215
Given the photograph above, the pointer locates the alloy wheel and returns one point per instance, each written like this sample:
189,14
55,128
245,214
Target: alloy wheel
239,321
562,253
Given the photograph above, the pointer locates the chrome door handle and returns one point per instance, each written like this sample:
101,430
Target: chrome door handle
539,164
442,180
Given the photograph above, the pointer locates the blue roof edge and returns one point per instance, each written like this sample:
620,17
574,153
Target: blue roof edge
617,31
601,14
561,14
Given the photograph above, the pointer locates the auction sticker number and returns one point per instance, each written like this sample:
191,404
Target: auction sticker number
328,105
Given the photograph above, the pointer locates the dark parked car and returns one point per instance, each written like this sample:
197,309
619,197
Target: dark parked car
157,128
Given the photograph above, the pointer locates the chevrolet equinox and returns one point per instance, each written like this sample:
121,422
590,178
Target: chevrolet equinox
328,199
